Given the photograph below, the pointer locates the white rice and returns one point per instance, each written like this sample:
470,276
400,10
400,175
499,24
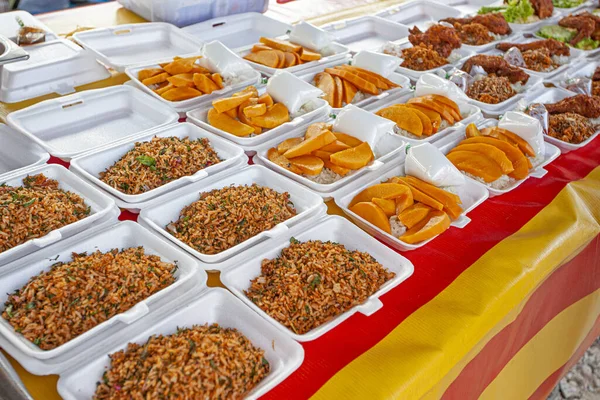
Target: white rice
360,96
327,51
504,182
537,160
518,87
454,57
595,122
498,37
450,189
398,229
326,177
233,78
560,60
392,49
405,133
306,108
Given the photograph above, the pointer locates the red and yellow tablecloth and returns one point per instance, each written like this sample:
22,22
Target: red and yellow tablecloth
498,310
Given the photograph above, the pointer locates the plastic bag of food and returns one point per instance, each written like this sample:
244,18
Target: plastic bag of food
514,57
382,64
28,35
310,36
461,79
434,84
362,124
580,85
428,163
292,91
218,58
526,126
539,112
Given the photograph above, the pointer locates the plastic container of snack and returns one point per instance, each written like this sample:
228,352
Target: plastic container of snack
552,95
472,194
366,33
57,66
462,54
318,109
89,166
214,305
161,214
250,77
395,77
551,152
18,153
122,46
70,126
123,235
9,27
101,207
327,228
419,13
239,30
472,113
574,57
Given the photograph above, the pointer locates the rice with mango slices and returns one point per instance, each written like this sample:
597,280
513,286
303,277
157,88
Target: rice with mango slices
152,164
207,362
223,218
35,209
73,297
313,282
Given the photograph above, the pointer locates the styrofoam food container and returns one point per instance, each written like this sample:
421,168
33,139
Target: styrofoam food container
239,30
415,75
329,228
471,194
57,66
101,206
199,117
575,55
550,154
471,112
123,235
534,26
419,13
125,45
366,33
89,166
583,68
468,6
338,51
534,84
189,104
554,21
484,47
395,77
158,216
9,27
567,11
553,95
214,305
18,153
73,125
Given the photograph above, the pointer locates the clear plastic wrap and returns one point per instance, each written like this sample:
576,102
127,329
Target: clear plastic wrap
428,163
514,57
579,85
382,64
434,84
310,36
292,91
362,124
526,126
216,57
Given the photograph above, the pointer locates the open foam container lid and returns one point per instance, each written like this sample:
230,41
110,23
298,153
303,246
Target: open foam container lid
239,30
125,45
214,305
419,13
57,66
9,26
367,32
18,153
73,125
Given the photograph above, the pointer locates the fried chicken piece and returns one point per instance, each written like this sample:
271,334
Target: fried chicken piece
570,127
554,46
543,8
587,25
422,58
596,76
491,90
473,34
442,39
498,66
587,106
494,22
539,60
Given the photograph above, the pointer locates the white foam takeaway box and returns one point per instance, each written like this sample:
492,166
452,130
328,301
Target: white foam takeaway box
18,153
419,13
122,46
158,216
116,236
366,33
327,228
101,208
70,126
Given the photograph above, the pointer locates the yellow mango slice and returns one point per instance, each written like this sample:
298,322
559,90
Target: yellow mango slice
309,165
335,168
435,223
347,139
182,80
372,213
386,190
181,93
149,73
276,115
388,206
310,145
225,123
288,144
274,156
414,214
226,104
156,79
404,117
353,158
255,110
204,83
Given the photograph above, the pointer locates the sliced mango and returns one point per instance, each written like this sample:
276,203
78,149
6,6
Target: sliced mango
181,93
335,147
434,117
403,202
265,57
309,165
164,89
440,108
388,206
492,152
182,80
373,78
360,83
338,94
274,156
476,164
260,47
310,145
266,99
521,143
323,155
290,59
349,91
276,115
326,83
353,158
225,123
437,222
414,214
449,103
386,190
156,79
427,125
149,73
282,45
315,129
518,159
204,83
307,55
288,144
226,104
372,213
347,139
440,195
242,117
255,110
419,195
336,168
404,117
218,80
